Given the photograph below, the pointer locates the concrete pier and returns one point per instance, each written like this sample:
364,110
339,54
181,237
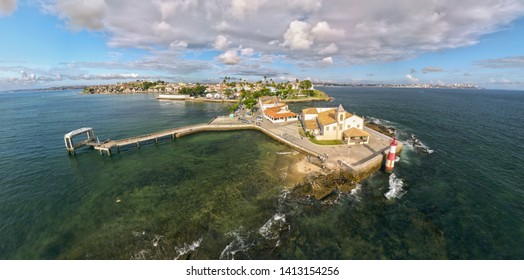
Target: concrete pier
71,145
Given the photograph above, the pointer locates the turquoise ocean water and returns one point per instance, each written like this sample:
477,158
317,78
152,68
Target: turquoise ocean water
223,195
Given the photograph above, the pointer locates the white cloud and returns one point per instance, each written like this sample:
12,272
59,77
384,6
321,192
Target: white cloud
506,62
162,27
7,7
301,32
230,57
117,76
221,42
298,36
82,14
368,34
24,76
323,32
327,61
178,45
247,51
222,25
301,36
330,49
431,69
306,5
241,8
168,9
411,78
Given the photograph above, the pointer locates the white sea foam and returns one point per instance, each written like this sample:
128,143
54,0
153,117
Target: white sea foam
282,197
141,255
356,192
238,244
380,121
157,240
417,145
271,229
395,187
188,248
374,120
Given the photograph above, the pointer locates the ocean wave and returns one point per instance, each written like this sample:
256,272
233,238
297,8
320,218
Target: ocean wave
378,121
188,248
395,187
277,223
274,226
238,244
356,192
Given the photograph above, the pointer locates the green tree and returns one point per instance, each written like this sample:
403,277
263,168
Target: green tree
305,84
234,107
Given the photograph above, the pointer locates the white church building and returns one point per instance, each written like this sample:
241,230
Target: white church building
334,124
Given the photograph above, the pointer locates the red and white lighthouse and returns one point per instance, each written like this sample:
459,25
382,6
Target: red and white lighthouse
390,160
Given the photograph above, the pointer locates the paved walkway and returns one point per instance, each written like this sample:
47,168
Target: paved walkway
356,157
353,156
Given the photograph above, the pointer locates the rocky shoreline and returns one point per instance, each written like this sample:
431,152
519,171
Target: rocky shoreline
320,185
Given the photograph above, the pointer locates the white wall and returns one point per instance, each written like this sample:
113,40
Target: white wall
308,117
354,122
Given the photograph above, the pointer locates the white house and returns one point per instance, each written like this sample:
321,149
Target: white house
265,102
274,110
333,124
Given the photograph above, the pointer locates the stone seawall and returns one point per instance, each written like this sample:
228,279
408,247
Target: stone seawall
363,160
233,127
356,172
366,169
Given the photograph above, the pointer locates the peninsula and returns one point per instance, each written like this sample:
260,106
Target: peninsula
239,92
337,142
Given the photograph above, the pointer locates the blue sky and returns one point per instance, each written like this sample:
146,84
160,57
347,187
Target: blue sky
75,42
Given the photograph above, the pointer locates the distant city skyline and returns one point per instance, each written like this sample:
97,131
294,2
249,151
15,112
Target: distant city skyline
49,43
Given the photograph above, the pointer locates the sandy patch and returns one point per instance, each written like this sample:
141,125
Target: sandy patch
305,167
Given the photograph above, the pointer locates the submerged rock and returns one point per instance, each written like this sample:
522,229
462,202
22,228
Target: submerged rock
322,186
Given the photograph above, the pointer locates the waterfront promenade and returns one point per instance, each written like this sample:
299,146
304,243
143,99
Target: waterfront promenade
361,160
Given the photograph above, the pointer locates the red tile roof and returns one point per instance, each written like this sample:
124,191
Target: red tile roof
274,112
